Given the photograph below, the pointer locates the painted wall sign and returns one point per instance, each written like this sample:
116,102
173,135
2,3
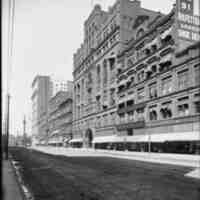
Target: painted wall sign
188,23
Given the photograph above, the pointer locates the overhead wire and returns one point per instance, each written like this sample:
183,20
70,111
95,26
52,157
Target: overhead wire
11,21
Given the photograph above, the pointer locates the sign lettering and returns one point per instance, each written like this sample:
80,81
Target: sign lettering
188,23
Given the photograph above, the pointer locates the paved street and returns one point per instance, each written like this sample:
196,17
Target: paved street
161,158
56,177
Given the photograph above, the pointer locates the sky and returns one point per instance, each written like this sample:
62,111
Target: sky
46,34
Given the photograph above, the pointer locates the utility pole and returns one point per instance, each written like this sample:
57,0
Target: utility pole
11,15
7,125
24,137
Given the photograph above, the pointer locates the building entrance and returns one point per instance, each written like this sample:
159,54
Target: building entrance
89,137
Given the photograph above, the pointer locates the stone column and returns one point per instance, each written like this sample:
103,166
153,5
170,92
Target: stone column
159,87
174,81
174,108
191,104
158,111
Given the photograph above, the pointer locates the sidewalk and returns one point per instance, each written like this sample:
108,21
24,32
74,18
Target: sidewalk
11,189
161,158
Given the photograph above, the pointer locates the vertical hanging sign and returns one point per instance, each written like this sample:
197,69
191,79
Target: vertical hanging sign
188,23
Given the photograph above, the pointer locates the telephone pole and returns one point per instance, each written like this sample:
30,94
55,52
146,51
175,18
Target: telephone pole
7,125
11,15
24,137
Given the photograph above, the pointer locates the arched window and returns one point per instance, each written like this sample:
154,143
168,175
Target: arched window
153,115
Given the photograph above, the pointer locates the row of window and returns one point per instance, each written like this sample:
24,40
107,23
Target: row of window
99,52
89,83
100,121
165,111
167,86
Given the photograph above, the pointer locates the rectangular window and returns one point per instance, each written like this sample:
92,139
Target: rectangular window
183,79
140,94
197,74
152,91
130,103
153,113
197,107
166,85
140,76
130,132
131,116
140,114
183,109
122,118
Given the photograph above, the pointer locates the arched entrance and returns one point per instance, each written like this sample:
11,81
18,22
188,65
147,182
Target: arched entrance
89,137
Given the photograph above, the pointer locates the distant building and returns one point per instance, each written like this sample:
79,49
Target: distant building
58,85
41,92
60,118
45,88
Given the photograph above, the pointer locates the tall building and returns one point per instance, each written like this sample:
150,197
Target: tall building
158,88
60,118
60,85
106,34
41,92
136,79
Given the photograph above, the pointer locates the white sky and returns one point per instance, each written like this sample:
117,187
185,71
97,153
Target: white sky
46,34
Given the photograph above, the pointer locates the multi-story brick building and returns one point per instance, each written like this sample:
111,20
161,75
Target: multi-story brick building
60,118
106,33
159,88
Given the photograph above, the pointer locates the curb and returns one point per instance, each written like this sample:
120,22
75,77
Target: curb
26,194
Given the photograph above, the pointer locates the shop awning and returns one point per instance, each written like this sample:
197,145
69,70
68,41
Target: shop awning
105,139
183,136
76,140
119,139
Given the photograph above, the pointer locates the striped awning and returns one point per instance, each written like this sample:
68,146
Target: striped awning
179,136
164,137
